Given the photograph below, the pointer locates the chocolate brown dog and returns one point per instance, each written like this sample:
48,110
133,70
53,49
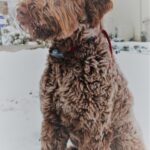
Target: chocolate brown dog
84,96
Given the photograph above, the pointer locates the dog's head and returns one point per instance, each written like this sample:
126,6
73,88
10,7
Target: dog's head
58,19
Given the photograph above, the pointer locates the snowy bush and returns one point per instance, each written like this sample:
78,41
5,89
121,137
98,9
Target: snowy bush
12,35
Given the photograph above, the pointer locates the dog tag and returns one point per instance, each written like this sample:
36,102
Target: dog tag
57,53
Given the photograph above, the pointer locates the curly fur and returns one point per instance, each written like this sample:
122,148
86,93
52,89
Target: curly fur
84,96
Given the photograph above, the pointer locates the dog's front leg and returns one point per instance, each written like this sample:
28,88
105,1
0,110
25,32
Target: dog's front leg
53,137
94,142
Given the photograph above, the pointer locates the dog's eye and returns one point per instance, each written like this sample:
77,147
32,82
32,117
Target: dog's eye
83,19
80,21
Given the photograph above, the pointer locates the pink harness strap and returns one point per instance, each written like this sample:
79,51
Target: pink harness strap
109,42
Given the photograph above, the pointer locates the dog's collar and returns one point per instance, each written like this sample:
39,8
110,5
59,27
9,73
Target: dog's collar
109,41
55,52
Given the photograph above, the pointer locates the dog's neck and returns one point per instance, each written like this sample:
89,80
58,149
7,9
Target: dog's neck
76,41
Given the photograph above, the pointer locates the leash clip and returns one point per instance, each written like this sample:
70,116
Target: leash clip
56,53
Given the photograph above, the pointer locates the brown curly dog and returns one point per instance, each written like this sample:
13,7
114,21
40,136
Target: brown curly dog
84,96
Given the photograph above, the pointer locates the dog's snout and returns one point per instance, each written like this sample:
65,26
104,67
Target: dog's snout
21,11
19,17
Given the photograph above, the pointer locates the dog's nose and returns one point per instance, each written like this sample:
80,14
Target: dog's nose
21,12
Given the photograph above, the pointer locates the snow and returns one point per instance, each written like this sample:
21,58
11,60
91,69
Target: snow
132,47
12,33
20,117
136,69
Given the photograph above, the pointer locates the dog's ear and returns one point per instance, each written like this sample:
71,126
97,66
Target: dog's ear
95,9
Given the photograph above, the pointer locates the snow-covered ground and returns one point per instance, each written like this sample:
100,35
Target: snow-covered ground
132,47
20,117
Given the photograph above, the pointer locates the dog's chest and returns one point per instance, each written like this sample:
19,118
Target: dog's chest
74,87
75,98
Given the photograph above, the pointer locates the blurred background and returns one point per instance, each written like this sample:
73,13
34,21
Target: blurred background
22,62
130,20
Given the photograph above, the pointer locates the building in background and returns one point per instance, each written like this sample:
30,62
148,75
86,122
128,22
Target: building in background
129,19
3,12
3,7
